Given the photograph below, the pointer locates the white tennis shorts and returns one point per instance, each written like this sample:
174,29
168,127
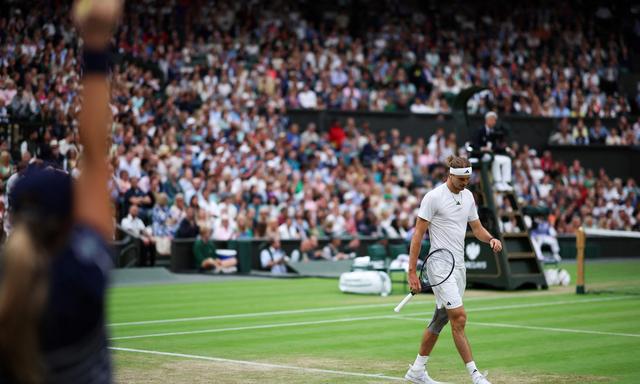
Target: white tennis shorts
449,294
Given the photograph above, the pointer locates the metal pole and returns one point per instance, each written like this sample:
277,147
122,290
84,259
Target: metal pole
580,243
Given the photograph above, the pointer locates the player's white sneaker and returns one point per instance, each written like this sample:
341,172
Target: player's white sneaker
419,376
479,378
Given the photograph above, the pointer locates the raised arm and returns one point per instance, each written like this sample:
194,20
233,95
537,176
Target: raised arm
96,21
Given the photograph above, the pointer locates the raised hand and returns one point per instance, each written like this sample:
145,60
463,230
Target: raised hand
96,20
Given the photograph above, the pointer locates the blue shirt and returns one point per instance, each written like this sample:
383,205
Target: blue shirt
73,331
159,217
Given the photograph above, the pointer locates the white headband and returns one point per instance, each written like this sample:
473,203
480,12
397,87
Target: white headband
460,171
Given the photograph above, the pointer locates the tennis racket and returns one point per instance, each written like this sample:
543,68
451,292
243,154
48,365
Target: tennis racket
436,268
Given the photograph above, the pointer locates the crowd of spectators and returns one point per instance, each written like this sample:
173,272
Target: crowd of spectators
572,194
201,139
225,59
623,132
348,181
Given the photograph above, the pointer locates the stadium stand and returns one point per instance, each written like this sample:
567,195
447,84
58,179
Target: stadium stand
200,109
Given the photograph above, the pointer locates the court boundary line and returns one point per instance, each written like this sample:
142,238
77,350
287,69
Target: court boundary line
538,328
351,319
258,364
248,327
313,310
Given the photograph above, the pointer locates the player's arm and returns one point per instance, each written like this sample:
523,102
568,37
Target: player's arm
96,21
414,251
483,235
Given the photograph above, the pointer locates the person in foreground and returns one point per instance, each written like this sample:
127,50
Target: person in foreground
445,212
55,263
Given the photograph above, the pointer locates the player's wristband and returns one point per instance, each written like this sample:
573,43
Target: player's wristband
96,61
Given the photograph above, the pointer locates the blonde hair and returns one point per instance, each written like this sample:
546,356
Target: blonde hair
23,295
458,162
162,199
5,157
205,230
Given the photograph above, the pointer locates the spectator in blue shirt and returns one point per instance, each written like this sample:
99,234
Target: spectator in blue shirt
598,134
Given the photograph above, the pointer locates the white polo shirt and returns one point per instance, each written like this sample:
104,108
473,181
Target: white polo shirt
448,215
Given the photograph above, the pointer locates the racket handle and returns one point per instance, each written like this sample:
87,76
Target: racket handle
403,302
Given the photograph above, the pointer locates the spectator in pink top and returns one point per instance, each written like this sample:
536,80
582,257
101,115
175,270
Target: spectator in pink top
224,230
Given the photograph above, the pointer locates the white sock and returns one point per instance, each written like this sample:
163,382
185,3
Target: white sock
420,362
471,367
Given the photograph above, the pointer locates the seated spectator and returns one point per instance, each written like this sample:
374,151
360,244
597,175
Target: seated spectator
335,251
614,138
227,207
123,182
509,225
171,186
244,230
136,227
636,128
363,223
135,195
288,230
203,218
391,227
178,209
4,113
311,136
418,106
273,258
71,162
636,226
562,136
206,256
260,229
309,250
598,134
307,98
30,145
272,229
163,225
224,230
188,228
337,221
336,134
581,133
54,157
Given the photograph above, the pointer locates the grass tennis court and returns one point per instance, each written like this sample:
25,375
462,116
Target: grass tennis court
306,331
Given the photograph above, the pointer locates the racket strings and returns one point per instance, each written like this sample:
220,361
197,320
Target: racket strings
437,268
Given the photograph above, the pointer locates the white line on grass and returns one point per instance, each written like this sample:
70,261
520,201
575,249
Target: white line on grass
263,326
350,319
544,304
535,328
256,364
568,330
309,310
256,314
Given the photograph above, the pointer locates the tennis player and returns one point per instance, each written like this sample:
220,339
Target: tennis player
445,212
56,260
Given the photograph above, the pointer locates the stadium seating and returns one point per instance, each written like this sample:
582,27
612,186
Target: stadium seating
193,116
